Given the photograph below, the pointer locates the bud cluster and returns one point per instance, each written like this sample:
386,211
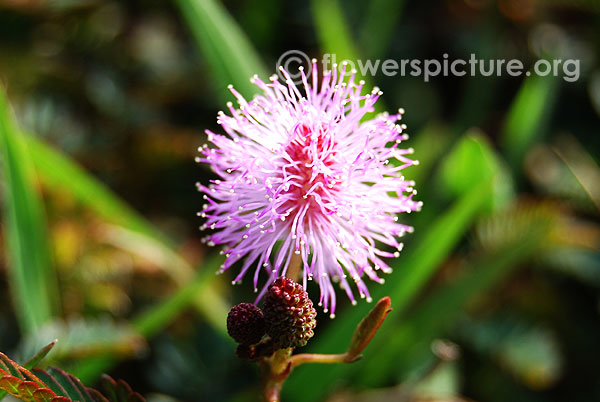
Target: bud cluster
289,313
288,319
246,324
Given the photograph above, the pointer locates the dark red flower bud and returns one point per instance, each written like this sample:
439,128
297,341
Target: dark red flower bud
246,324
289,313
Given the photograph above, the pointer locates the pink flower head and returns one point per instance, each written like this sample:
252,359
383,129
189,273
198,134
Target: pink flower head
303,173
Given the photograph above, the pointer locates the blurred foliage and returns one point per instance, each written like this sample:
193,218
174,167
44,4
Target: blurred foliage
79,339
99,239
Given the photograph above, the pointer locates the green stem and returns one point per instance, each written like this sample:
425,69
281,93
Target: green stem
318,358
279,366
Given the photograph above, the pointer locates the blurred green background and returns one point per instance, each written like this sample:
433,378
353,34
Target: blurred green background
102,107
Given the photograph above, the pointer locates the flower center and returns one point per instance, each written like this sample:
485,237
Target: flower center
311,158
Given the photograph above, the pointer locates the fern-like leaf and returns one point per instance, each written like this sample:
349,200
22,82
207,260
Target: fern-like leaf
56,385
119,391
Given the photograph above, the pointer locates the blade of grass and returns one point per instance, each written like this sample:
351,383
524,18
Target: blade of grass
32,282
528,115
416,267
227,50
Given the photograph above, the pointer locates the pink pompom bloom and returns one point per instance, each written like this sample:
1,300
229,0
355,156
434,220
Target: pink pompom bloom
301,173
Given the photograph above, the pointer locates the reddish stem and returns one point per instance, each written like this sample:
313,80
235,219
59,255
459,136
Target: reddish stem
275,370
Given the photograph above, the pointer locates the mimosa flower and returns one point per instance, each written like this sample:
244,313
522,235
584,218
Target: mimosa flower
302,172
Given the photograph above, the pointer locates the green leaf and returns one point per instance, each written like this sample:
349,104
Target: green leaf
39,356
8,367
51,384
27,389
11,368
528,115
225,47
471,161
119,391
45,395
32,281
10,384
72,387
